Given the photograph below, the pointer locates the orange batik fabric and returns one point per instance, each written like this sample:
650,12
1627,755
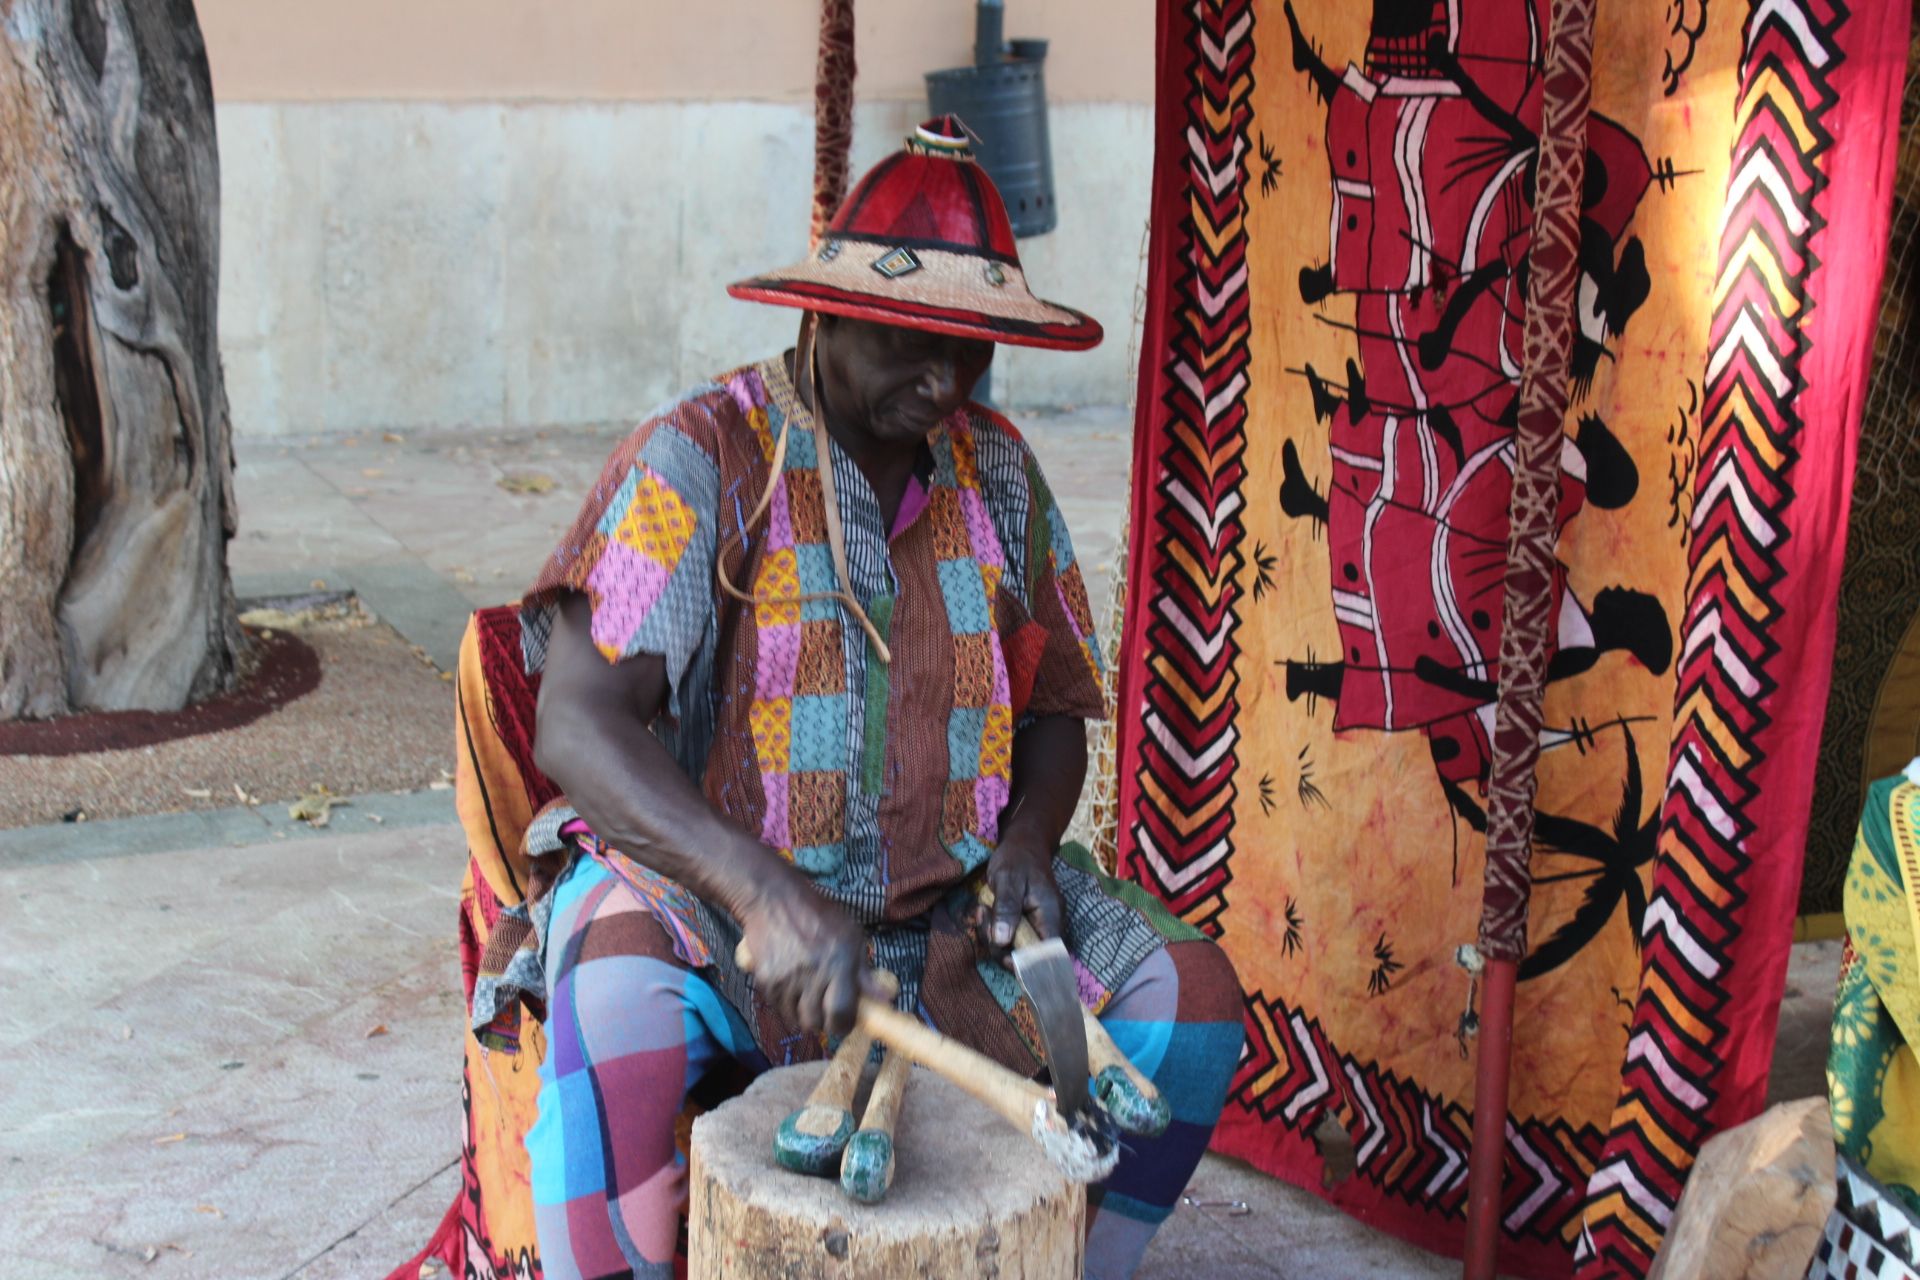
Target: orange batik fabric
1330,369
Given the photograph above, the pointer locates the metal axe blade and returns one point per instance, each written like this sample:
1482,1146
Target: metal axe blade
1046,974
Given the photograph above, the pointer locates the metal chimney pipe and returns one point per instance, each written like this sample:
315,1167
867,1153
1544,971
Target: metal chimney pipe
989,24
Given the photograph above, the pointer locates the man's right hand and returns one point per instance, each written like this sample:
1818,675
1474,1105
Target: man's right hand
809,957
593,740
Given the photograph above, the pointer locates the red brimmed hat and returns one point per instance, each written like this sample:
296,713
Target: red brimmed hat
924,242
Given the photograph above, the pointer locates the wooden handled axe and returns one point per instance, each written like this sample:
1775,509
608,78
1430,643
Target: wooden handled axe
1123,1090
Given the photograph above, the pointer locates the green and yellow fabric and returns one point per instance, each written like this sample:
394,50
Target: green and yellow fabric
1873,1073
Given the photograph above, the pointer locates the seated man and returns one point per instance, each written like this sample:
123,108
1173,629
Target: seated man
816,663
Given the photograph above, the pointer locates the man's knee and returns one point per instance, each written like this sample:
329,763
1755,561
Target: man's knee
621,985
1209,987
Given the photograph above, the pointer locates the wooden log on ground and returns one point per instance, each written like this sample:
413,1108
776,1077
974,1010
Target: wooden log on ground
1756,1201
970,1197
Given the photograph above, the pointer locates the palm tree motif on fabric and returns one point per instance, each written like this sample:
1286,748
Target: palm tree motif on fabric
1614,858
1431,158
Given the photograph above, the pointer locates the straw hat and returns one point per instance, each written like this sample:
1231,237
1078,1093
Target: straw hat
924,242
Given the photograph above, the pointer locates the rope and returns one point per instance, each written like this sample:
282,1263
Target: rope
836,533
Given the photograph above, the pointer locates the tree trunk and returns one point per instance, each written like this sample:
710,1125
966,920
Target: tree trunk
971,1197
116,462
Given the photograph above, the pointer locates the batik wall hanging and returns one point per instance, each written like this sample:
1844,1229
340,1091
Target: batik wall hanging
1342,215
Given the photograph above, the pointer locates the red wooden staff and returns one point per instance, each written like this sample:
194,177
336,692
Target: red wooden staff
1527,629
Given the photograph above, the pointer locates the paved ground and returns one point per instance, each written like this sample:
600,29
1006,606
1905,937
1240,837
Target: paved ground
231,1042
425,526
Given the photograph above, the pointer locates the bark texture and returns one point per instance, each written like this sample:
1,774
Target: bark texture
116,463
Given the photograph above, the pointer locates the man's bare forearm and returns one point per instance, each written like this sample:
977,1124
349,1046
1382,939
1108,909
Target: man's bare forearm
1049,769
592,739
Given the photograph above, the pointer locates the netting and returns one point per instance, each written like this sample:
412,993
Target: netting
1095,820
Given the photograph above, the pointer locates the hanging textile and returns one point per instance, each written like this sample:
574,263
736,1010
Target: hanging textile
832,113
1342,213
1873,711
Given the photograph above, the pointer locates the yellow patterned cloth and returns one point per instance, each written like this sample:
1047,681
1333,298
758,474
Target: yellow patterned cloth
1873,1074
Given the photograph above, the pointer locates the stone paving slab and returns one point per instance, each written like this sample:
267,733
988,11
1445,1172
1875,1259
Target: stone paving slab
1283,1233
390,1237
214,828
229,995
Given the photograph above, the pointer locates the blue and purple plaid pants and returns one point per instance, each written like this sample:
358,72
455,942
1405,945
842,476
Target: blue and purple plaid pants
630,1030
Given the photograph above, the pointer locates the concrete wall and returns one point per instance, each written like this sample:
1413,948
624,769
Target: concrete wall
674,50
514,213
414,265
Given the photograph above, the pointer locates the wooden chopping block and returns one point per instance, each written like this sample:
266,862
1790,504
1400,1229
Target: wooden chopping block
970,1196
1756,1201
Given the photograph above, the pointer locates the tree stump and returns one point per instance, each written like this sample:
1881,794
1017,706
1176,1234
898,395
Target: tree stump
970,1197
116,466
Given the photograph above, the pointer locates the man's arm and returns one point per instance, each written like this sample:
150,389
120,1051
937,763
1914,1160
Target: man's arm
1049,768
591,737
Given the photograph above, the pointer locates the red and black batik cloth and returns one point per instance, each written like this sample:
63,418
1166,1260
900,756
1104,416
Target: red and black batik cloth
1342,213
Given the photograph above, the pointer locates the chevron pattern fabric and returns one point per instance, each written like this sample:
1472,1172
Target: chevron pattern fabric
1179,829
1337,330
1780,404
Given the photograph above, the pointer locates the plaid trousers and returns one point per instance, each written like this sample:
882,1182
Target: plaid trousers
631,1029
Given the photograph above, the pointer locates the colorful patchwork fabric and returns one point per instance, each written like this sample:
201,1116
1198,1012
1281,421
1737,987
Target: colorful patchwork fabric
1873,1074
883,782
632,1030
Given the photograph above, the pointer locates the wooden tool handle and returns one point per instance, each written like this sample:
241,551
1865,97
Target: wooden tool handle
834,1091
811,1139
1010,1096
889,1088
866,1170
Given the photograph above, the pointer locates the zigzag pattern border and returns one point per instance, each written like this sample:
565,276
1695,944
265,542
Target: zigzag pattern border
1727,670
1180,835
1409,1143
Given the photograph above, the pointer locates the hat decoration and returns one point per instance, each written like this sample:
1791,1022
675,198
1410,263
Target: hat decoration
924,242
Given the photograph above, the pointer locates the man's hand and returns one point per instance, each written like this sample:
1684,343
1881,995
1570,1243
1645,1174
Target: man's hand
592,739
1020,873
809,957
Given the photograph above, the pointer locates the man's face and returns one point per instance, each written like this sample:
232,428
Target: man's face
901,382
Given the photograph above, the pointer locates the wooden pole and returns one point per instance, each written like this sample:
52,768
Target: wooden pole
1484,1179
832,113
1527,630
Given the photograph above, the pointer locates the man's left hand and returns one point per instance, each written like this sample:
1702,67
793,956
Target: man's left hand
1020,873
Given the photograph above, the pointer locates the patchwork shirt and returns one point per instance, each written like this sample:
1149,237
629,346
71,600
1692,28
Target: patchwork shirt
884,782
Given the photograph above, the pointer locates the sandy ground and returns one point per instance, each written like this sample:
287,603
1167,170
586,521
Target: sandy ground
380,720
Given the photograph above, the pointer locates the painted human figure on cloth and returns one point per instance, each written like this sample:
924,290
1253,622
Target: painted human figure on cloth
1431,161
1433,158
